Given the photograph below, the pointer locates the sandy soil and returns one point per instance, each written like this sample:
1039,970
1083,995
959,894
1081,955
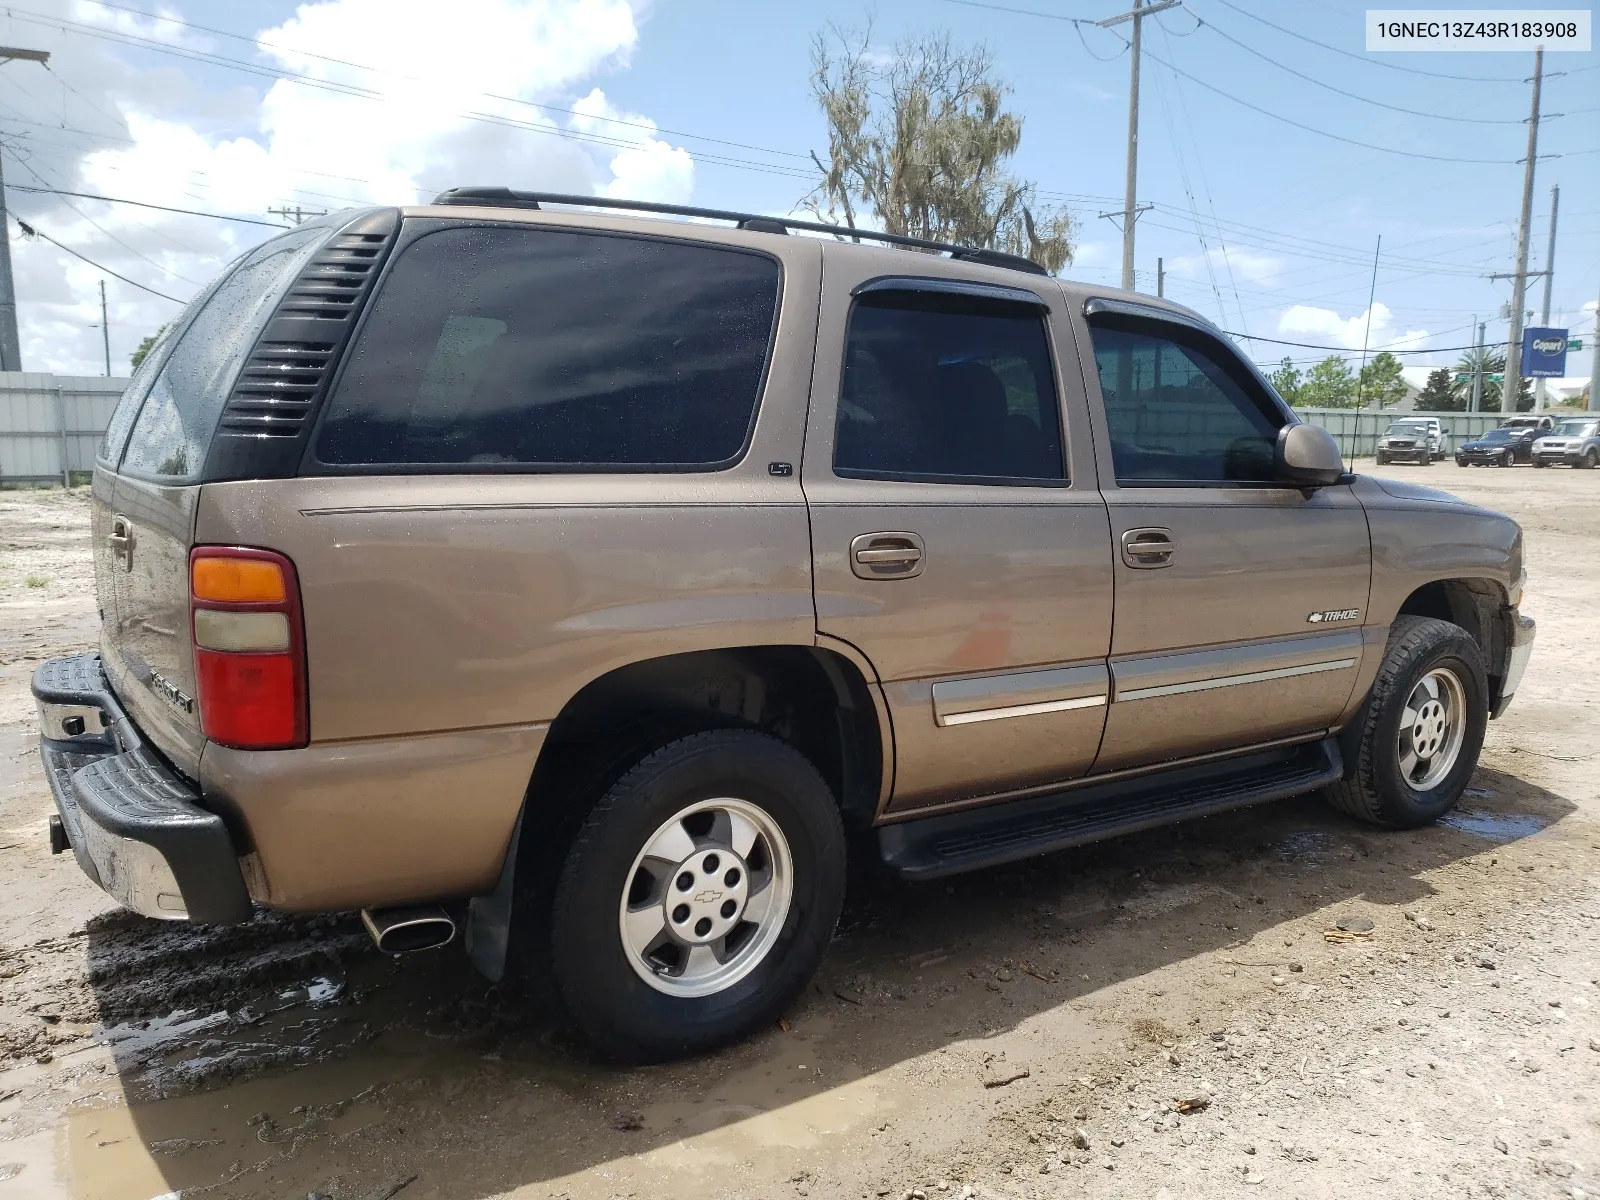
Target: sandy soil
1158,1016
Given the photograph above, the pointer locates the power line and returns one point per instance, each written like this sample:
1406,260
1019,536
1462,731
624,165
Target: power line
189,212
1251,337
1338,137
1410,112
33,231
1377,62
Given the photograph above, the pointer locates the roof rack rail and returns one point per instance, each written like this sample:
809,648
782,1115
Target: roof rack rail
503,197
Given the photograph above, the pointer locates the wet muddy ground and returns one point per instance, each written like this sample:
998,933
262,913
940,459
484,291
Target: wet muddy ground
1162,1015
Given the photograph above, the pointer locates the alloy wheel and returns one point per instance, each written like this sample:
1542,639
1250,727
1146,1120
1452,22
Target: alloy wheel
706,898
1432,728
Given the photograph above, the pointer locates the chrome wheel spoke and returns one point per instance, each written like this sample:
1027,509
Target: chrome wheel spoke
1431,686
644,927
1408,763
759,906
741,833
671,844
1408,719
699,961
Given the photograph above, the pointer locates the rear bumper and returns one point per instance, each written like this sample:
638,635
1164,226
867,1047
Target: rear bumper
134,824
1518,651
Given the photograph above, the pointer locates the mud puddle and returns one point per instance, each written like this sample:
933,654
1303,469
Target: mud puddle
1494,827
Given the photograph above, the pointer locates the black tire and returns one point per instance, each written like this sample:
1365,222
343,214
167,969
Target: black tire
1507,458
1380,460
1374,788
598,987
1589,459
1539,462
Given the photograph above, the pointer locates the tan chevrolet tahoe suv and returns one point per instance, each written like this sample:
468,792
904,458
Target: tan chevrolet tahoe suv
589,579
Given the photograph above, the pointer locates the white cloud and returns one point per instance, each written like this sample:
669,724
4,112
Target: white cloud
1236,263
1351,332
649,169
476,92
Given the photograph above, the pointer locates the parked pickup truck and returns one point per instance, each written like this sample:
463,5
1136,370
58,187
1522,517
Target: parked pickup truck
586,578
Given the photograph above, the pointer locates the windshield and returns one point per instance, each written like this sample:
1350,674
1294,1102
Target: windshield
1407,430
1577,428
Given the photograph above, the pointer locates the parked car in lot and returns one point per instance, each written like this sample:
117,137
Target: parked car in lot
1404,442
1499,447
1542,422
1574,441
1436,434
584,578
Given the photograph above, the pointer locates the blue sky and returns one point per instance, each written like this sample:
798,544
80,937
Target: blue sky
1266,227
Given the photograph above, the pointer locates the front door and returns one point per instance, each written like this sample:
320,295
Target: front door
1239,601
958,537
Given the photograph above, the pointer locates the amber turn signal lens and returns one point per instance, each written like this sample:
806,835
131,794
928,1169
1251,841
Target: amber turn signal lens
238,581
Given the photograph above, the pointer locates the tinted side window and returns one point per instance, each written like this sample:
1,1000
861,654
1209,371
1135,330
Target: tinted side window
499,345
180,413
1177,413
132,396
940,387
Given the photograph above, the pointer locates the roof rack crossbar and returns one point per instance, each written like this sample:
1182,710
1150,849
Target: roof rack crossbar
501,197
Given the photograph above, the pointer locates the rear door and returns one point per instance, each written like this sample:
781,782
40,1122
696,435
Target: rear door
1239,600
150,527
958,537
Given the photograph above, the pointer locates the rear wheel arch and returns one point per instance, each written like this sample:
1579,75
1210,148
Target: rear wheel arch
816,700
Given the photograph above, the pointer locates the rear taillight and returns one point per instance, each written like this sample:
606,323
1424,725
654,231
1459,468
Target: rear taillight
249,647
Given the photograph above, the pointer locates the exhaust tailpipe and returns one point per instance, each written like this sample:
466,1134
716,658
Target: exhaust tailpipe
413,927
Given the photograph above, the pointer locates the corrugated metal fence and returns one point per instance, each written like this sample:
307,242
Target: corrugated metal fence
51,424
1358,432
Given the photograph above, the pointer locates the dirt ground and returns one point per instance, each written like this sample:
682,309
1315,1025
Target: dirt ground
1159,1016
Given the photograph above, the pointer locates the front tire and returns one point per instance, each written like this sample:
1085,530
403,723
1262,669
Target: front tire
1417,740
698,898
1381,460
1507,458
1589,459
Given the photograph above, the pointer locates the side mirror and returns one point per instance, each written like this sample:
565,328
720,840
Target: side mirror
1308,456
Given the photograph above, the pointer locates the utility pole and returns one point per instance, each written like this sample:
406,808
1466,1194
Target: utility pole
1130,207
105,329
1549,278
1477,365
1594,365
1161,279
10,343
1519,277
297,214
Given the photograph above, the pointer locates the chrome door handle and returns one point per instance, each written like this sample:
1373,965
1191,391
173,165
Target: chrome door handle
120,539
886,555
1151,546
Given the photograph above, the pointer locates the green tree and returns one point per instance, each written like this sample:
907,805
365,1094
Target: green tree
1442,393
1287,382
1493,359
147,345
919,141
1329,384
1381,384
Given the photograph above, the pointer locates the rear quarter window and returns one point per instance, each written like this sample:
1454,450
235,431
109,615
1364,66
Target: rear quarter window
506,348
179,415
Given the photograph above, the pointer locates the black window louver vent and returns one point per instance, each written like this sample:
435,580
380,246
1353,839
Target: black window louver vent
279,387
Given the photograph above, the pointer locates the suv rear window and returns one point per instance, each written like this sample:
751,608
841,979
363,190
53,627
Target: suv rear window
497,346
175,424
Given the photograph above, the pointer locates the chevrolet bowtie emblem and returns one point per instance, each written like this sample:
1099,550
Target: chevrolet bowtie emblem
707,896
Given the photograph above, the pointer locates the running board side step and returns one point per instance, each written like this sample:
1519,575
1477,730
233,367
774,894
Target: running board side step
1010,830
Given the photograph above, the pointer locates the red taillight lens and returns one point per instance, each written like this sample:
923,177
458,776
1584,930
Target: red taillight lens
249,647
